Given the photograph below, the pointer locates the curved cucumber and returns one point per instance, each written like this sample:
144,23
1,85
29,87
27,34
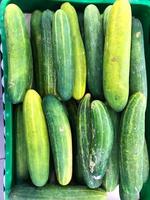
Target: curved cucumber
19,54
131,145
20,145
36,137
111,177
138,77
48,70
79,60
63,55
36,39
60,138
93,27
117,55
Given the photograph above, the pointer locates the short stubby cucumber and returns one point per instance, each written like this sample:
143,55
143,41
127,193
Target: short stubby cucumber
111,178
36,39
117,55
138,77
36,138
60,138
93,28
63,54
51,192
131,145
48,70
19,54
20,145
79,60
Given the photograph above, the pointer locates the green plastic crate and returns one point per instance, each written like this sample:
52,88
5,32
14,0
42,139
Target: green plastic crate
140,9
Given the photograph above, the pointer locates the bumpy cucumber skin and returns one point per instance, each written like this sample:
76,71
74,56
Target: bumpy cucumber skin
93,28
131,145
145,163
19,54
138,76
20,145
102,135
111,178
36,39
36,138
63,54
106,17
117,55
60,138
51,192
79,59
48,69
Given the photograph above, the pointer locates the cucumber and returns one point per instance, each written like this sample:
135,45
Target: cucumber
63,54
117,55
81,25
145,164
19,54
79,60
48,72
138,77
36,138
131,145
93,141
93,27
60,138
106,17
111,178
21,167
36,39
51,192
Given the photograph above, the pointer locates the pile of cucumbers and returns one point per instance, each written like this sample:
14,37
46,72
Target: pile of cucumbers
79,85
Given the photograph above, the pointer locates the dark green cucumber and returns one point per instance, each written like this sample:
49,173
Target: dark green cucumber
60,138
145,164
36,138
101,139
132,144
138,77
111,177
48,70
106,17
51,192
92,118
63,54
93,28
79,60
19,54
36,39
20,145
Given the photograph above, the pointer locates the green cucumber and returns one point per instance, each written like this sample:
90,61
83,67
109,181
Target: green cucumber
92,118
79,60
48,71
138,77
36,138
36,39
63,54
145,164
51,192
106,17
131,145
111,178
20,145
19,54
60,138
93,28
117,55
